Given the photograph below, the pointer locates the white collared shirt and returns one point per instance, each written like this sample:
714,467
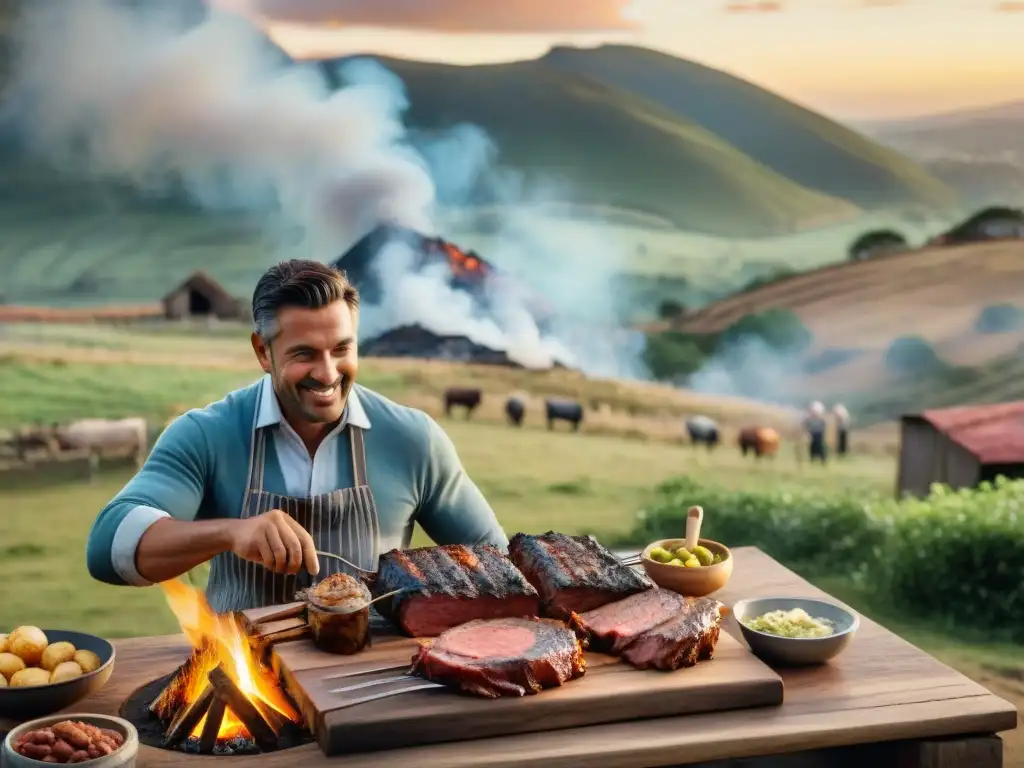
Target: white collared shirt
306,475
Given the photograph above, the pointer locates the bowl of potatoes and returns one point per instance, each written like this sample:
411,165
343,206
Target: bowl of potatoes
43,671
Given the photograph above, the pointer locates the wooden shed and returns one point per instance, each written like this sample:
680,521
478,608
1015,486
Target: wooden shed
960,447
201,296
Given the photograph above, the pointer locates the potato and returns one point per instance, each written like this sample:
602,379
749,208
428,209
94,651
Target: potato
65,671
3,643
9,664
57,653
3,681
30,676
87,660
28,643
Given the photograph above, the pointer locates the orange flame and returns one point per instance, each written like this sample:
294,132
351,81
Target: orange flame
222,639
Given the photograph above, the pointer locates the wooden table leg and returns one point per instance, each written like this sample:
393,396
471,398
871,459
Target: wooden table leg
976,752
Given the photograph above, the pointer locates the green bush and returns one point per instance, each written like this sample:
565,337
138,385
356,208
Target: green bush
779,328
672,354
956,556
999,318
912,355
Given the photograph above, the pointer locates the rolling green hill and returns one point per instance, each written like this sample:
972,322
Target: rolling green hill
793,141
611,147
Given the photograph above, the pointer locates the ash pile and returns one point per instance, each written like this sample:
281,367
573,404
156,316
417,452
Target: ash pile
417,342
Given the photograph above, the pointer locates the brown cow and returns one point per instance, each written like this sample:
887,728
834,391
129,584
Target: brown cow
763,441
467,398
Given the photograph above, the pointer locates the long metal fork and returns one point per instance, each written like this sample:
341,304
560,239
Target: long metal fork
346,562
631,560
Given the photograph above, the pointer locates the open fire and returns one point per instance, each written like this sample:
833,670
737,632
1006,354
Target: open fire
224,694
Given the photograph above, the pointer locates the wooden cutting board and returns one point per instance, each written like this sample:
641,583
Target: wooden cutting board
610,691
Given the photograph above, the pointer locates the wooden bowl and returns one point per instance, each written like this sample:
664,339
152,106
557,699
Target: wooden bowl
692,582
124,757
39,700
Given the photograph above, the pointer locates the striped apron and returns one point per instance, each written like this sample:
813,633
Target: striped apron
342,522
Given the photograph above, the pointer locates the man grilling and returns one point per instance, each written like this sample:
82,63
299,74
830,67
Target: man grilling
304,460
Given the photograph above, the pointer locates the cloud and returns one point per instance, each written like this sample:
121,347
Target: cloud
511,16
1010,6
763,6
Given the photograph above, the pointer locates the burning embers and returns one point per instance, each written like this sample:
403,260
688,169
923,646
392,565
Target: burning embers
223,700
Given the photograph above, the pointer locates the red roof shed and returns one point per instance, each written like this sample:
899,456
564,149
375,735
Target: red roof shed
961,446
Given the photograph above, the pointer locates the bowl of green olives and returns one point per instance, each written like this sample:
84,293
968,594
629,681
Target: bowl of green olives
695,572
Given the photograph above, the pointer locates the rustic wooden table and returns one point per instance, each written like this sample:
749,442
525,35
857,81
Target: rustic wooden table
882,702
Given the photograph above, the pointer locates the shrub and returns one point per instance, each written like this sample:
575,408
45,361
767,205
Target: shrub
955,556
672,354
912,355
779,328
999,318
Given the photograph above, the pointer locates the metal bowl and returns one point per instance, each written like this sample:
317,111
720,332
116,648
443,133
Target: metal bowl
124,757
796,651
691,582
39,700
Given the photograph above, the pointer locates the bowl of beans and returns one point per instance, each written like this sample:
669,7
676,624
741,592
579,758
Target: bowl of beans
100,741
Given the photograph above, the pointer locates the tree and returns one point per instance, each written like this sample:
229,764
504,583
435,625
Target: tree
778,327
999,318
912,355
670,309
875,243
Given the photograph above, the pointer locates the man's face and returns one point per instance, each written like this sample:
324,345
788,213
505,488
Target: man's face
312,360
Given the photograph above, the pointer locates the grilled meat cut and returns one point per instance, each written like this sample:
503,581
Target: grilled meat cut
502,657
686,638
657,628
450,585
573,573
610,628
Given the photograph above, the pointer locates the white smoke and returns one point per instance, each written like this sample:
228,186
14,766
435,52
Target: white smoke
211,109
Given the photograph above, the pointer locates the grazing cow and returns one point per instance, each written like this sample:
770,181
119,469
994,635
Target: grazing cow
100,435
515,409
564,410
461,396
763,441
701,429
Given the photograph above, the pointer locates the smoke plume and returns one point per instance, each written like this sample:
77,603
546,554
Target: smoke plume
215,111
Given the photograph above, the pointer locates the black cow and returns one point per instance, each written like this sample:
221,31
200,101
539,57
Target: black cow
515,409
701,429
467,398
564,410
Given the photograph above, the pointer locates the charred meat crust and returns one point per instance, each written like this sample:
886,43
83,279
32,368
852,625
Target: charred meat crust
468,581
463,657
573,573
657,629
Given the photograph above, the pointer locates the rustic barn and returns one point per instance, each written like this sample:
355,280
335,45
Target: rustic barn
961,447
201,296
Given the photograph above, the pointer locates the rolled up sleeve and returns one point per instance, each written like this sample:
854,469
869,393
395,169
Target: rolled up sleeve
452,510
172,483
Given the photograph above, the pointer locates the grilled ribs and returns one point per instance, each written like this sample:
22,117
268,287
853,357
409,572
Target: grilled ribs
657,628
573,574
502,657
450,585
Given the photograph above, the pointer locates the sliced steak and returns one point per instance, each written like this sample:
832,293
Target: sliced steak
688,637
450,585
502,657
612,627
573,574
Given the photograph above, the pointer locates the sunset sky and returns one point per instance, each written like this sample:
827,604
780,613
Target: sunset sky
853,59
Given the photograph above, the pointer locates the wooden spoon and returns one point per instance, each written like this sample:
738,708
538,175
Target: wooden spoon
694,519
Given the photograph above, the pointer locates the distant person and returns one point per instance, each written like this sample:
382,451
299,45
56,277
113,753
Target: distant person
259,481
815,425
842,417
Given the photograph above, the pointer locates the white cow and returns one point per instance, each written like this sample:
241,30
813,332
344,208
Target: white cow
101,435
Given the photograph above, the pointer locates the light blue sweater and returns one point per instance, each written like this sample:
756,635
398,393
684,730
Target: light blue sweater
198,469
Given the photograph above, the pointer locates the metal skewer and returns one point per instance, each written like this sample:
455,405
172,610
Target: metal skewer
388,694
372,670
382,681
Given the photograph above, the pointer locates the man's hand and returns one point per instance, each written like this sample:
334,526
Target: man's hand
275,541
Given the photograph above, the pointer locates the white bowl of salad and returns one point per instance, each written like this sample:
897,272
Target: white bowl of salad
795,631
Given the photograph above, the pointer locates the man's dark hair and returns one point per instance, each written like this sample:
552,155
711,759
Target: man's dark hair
298,283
